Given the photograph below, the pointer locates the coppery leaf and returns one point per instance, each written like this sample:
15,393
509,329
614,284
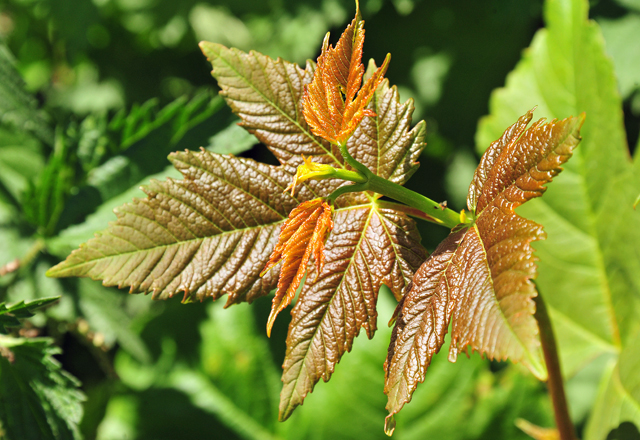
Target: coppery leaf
334,103
302,236
386,144
267,95
479,278
206,235
368,246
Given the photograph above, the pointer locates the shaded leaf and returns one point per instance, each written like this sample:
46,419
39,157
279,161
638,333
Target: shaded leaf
9,316
38,400
17,107
333,103
368,246
479,278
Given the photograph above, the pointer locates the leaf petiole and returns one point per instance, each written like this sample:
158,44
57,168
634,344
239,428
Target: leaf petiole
432,211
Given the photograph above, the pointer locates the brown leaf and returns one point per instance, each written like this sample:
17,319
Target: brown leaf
302,235
386,144
206,235
369,246
334,104
267,95
479,278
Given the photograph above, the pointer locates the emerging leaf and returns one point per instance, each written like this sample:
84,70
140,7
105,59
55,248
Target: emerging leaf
302,235
479,278
334,103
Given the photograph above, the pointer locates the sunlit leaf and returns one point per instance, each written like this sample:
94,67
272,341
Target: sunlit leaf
368,246
207,235
302,236
212,233
589,269
479,278
619,396
267,95
334,104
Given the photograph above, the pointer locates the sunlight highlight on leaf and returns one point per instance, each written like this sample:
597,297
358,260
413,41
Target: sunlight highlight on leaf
479,278
302,235
334,104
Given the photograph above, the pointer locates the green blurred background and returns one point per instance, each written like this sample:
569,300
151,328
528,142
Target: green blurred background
165,370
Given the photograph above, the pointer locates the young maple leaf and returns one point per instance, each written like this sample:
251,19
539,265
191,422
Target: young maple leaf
302,235
334,103
479,278
211,233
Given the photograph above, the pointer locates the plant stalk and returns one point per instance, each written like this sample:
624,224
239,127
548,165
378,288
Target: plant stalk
434,211
554,381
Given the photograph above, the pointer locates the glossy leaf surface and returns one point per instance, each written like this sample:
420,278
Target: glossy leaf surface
213,232
589,270
479,278
334,104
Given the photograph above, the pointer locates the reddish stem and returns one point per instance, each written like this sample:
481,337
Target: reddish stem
554,381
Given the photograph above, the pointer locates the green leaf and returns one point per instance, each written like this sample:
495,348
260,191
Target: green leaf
619,395
626,57
20,160
589,268
593,231
38,400
9,316
17,107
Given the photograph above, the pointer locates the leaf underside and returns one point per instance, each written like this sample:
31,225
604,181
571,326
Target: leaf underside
479,278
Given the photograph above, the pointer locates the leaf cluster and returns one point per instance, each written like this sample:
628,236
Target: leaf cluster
62,174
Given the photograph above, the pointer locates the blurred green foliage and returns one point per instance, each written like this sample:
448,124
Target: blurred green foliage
95,94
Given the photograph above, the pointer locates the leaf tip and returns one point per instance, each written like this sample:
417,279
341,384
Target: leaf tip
389,424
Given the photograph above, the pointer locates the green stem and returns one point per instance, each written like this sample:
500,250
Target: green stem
443,216
554,381
433,211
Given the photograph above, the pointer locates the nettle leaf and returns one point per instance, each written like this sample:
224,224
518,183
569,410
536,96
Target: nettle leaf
17,107
38,399
9,316
479,278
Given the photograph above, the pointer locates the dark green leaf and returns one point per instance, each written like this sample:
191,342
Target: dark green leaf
17,107
38,400
9,316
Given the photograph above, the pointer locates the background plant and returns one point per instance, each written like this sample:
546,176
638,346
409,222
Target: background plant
196,340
